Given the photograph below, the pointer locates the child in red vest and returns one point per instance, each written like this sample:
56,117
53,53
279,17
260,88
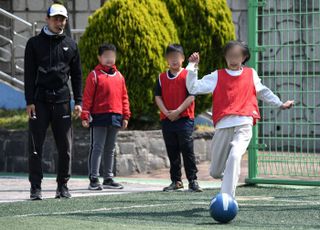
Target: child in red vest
234,109
105,111
177,118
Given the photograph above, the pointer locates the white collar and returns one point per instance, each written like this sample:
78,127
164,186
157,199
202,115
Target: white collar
234,72
175,75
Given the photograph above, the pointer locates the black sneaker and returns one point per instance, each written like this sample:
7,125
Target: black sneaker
194,186
95,184
111,184
62,191
35,192
175,185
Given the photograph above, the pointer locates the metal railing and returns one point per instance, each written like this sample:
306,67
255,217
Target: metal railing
16,41
11,43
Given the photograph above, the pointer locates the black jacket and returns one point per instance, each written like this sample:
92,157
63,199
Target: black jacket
49,61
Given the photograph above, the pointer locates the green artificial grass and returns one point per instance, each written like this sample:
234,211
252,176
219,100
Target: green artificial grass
264,207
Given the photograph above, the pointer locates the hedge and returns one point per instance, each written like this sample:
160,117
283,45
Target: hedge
204,26
142,29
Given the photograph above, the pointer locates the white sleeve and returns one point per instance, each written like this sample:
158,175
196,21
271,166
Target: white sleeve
264,93
203,86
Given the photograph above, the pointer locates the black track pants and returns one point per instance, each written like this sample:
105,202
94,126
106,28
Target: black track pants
59,117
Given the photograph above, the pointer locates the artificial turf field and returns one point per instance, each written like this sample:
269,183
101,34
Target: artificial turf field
261,207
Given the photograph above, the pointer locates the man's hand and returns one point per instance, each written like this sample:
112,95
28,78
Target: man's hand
125,124
173,115
31,111
287,105
77,111
85,124
195,58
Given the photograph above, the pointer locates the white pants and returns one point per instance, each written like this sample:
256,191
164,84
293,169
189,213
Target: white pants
227,149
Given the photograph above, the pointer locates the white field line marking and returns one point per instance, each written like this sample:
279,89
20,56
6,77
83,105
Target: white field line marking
91,210
243,204
269,205
245,198
243,201
285,203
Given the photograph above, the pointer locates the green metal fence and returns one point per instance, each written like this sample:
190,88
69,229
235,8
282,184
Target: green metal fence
284,38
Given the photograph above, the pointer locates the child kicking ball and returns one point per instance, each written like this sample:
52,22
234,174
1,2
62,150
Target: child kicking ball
235,109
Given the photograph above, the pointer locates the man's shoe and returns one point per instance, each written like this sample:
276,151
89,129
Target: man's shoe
175,185
35,192
62,191
111,184
95,184
194,186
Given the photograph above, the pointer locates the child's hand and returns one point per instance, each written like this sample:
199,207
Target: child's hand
85,123
287,105
173,115
166,113
195,58
125,124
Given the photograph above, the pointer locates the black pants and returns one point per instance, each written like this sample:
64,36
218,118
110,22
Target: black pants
59,116
178,142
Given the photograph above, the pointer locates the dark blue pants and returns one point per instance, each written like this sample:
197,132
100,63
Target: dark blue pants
178,142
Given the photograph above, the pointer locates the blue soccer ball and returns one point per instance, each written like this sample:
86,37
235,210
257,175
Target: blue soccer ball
223,208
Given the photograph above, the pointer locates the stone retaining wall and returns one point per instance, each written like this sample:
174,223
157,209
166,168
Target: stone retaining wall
136,151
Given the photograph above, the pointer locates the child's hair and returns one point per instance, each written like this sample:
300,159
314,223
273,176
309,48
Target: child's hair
174,48
243,45
105,47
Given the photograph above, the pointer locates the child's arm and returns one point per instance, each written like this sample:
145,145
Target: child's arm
203,86
266,95
88,95
158,98
161,105
126,106
175,114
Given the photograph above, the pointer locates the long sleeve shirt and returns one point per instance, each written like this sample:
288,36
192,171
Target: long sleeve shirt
209,82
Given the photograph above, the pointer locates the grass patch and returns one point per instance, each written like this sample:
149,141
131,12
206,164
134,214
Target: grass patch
13,119
18,119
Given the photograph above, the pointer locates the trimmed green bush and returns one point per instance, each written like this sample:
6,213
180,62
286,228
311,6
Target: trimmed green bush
140,30
204,26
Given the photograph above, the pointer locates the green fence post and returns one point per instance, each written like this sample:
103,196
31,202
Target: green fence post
292,156
252,43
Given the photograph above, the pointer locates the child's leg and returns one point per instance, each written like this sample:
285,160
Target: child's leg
239,145
110,148
189,160
220,148
173,150
97,140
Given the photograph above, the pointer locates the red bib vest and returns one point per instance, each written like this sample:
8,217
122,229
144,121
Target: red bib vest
235,95
174,92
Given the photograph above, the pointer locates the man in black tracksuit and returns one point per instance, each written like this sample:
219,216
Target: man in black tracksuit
50,58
